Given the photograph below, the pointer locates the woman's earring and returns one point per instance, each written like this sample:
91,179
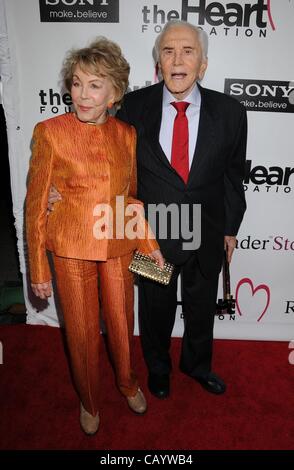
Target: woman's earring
110,104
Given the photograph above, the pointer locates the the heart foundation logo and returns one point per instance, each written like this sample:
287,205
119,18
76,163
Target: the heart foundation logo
263,300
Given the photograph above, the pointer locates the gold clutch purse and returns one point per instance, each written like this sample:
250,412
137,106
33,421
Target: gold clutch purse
147,267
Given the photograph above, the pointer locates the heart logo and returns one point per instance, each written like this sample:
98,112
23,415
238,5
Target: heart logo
254,290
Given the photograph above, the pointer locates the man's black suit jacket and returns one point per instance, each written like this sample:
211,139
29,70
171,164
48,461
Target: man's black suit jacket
215,178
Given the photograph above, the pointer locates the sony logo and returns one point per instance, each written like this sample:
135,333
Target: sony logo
77,2
260,89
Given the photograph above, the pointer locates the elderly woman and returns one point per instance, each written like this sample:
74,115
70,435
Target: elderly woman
90,157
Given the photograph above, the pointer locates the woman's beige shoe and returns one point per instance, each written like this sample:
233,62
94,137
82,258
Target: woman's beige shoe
138,403
89,423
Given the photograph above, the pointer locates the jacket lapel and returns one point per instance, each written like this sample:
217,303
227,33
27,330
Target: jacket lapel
206,139
152,120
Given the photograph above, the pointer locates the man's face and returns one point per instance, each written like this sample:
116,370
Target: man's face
180,60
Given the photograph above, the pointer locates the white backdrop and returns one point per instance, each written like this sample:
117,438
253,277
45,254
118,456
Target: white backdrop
250,57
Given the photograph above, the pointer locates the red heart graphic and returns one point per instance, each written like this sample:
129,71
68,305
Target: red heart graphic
246,280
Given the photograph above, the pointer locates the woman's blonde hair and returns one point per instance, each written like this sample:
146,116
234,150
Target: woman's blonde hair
102,58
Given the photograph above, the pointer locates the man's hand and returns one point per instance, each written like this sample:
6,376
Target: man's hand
157,256
54,196
230,245
42,290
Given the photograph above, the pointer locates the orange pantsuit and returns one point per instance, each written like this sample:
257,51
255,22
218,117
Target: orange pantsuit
89,165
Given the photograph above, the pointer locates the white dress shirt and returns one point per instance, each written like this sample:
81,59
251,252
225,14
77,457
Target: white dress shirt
168,116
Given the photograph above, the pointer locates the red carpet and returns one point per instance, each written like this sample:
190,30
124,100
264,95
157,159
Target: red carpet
39,408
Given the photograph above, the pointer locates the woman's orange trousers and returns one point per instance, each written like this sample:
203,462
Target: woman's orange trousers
77,283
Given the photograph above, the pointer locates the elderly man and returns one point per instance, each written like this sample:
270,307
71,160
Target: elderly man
191,150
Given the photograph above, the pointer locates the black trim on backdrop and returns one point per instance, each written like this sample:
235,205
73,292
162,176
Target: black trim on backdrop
262,95
62,11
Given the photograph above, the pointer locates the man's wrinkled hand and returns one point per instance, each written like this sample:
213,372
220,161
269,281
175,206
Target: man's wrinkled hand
229,245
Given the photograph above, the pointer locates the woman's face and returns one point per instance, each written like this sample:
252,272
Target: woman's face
90,95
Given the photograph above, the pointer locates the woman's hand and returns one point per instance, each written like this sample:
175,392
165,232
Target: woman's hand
42,290
53,197
157,256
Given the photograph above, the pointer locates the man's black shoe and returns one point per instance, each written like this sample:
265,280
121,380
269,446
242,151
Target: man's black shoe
212,383
159,385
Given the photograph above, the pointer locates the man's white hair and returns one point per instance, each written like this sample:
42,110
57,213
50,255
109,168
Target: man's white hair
202,36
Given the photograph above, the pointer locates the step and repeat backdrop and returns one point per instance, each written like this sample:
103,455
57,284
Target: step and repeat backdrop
250,58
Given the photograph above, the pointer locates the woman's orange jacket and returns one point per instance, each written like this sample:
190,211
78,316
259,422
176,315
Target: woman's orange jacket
89,165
